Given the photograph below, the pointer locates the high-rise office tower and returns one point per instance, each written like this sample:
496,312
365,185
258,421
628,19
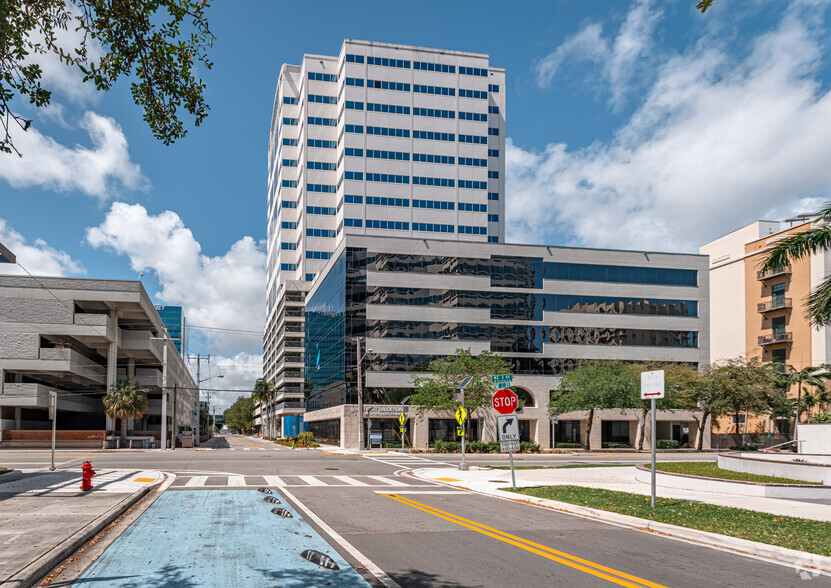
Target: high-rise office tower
383,139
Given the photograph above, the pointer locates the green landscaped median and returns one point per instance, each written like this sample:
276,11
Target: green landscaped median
791,532
710,469
564,467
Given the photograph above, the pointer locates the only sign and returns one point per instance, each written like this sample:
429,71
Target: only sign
505,401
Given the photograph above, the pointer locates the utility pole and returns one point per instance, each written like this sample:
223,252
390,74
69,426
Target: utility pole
164,338
198,359
173,438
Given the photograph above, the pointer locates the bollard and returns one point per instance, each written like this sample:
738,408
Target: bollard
86,474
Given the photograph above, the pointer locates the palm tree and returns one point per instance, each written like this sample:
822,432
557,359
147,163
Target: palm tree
799,245
812,376
263,390
125,400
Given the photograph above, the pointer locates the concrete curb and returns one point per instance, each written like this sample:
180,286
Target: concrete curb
799,560
32,574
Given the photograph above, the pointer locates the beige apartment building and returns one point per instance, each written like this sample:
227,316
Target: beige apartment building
762,314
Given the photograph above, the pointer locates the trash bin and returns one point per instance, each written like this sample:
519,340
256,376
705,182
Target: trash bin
187,439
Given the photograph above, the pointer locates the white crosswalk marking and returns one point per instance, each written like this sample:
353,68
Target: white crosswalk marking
388,481
274,481
350,481
196,481
236,480
312,481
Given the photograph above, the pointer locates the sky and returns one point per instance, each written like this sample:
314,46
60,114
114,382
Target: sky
630,125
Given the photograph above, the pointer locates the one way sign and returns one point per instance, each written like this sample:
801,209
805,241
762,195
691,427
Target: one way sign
508,430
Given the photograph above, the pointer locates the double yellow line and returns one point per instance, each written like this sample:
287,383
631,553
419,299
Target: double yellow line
572,561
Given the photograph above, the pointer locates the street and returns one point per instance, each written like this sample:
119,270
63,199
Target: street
396,529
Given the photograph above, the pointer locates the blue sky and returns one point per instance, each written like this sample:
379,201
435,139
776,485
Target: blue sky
630,125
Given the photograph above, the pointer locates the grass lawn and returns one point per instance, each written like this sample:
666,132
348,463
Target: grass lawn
710,469
790,532
564,467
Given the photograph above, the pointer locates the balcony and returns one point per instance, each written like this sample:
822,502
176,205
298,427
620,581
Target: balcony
775,338
774,304
785,270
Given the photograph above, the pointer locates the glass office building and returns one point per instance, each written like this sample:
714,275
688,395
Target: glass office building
546,309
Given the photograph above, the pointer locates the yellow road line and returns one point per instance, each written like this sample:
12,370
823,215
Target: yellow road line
246,442
598,570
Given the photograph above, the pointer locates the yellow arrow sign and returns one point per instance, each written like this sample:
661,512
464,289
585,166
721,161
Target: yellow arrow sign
461,415
401,419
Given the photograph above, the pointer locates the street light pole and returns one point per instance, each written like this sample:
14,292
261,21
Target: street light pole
165,338
361,443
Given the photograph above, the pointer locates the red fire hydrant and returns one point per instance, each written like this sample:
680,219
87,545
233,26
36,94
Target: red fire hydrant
87,473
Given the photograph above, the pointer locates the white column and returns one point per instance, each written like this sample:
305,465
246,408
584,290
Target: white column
112,359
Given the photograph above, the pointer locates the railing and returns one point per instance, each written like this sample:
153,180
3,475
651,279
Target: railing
46,435
284,405
791,442
775,338
774,304
765,275
294,313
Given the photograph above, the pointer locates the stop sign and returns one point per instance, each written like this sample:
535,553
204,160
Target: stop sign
505,401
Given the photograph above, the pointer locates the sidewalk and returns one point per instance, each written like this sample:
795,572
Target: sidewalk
621,479
45,517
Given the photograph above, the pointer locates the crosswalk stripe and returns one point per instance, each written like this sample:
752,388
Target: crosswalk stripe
312,481
274,481
388,481
236,480
196,481
349,480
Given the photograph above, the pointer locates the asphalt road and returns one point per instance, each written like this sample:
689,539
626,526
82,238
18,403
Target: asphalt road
421,534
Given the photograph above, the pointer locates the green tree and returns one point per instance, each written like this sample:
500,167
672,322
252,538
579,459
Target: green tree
813,376
677,377
741,387
156,43
436,390
592,386
263,390
240,415
125,400
801,245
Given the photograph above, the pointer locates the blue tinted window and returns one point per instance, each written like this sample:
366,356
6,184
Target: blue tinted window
493,195
389,178
387,132
288,246
475,139
473,94
493,175
472,207
318,255
434,67
388,108
289,183
477,116
384,85
493,239
434,204
434,112
288,267
385,201
472,185
354,128
350,58
493,152
324,210
433,136
321,165
493,87
322,99
383,224
320,233
401,63
289,224
324,122
289,100
352,222
493,218
289,121
290,142
290,162
472,161
322,77
620,274
464,230
325,188
310,277
440,182
437,90
380,154
473,71
352,152
353,105
322,144
493,132
353,199
493,110
351,175
358,82
430,158
433,228
289,204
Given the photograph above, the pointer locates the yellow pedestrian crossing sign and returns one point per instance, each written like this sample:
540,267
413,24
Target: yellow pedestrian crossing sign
460,432
461,415
401,419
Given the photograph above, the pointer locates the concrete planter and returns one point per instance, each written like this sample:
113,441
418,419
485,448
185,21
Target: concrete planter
687,482
770,465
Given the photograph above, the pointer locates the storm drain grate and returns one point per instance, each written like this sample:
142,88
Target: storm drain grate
264,490
282,512
320,559
271,499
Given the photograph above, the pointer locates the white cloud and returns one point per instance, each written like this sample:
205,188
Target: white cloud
224,292
239,371
717,142
617,58
98,171
38,257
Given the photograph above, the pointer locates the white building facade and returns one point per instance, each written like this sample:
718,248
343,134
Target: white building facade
386,140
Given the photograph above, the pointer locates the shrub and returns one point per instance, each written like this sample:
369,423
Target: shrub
477,447
743,448
821,417
528,447
667,444
569,446
617,446
305,438
446,446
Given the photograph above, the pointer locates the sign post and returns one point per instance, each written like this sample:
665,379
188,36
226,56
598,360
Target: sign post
461,415
507,427
652,388
53,414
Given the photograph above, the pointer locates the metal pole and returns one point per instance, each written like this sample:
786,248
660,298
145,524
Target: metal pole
463,465
513,478
653,452
164,393
54,411
173,438
196,428
361,442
